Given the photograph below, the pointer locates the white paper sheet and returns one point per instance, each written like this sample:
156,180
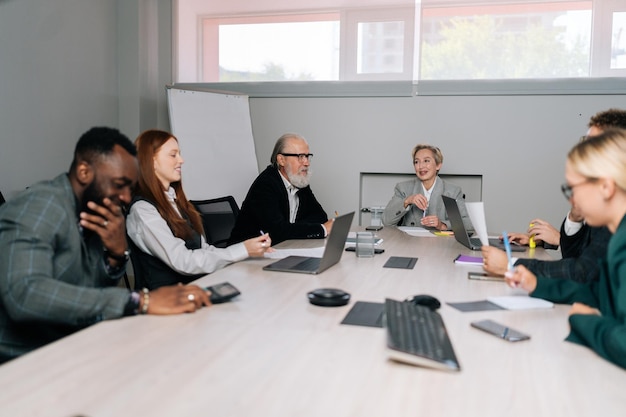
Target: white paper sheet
283,253
416,231
351,239
476,211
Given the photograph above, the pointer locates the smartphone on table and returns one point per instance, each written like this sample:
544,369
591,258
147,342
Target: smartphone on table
500,330
483,276
220,293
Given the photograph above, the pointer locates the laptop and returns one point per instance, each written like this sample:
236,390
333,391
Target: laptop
462,235
332,251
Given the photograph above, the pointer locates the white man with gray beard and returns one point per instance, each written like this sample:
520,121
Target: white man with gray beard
280,201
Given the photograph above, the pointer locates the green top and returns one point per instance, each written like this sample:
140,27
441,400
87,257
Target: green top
605,334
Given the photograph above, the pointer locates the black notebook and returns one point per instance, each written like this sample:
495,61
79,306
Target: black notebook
400,262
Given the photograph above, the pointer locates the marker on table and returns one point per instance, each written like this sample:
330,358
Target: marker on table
507,247
531,241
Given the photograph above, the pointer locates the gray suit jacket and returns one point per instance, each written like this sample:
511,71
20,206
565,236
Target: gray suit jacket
396,214
53,278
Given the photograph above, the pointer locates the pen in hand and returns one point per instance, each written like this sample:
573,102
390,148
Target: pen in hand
507,247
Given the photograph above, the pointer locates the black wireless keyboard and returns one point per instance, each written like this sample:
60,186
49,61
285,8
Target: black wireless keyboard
417,335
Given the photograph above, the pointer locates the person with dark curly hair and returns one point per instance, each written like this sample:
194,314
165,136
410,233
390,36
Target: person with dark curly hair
606,119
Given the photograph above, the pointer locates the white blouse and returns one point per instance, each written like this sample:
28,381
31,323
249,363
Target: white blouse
150,232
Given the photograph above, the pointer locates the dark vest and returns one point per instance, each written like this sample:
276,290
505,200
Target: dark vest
151,272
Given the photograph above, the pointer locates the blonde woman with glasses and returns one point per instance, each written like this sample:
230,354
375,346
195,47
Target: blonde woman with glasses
596,185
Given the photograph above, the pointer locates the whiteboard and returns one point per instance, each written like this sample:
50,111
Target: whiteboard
214,131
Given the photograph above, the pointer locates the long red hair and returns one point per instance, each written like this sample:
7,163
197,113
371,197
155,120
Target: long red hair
148,144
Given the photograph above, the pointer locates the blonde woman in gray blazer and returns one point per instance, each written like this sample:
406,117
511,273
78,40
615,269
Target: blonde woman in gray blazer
418,202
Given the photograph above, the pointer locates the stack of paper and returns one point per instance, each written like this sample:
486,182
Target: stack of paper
416,231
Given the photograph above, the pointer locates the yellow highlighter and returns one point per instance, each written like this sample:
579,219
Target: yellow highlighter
531,241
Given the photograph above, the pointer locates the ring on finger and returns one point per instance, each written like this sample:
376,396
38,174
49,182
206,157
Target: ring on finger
191,297
105,223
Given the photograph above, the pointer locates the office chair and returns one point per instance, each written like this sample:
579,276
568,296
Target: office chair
218,218
139,272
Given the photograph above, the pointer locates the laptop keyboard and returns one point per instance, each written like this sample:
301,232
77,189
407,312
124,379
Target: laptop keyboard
310,264
417,335
474,241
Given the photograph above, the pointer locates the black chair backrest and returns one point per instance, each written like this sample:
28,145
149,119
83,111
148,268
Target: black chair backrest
218,218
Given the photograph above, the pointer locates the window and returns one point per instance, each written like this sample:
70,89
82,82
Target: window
618,41
294,48
544,40
378,40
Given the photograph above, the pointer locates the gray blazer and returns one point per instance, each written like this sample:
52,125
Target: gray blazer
396,214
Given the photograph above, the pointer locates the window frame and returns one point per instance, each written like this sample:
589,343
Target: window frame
602,79
348,49
601,42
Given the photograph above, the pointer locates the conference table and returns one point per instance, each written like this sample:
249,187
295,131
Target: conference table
269,352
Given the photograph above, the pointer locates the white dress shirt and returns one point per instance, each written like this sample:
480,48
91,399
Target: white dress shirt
150,232
427,193
571,227
294,201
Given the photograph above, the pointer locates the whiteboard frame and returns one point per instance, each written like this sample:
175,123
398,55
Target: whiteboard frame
214,131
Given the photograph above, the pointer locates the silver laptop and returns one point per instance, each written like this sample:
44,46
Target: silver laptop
332,252
462,235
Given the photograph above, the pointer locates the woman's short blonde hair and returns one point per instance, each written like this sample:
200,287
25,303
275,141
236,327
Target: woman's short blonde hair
602,156
435,150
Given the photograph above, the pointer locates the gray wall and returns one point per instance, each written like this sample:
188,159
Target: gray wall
67,65
58,66
518,144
